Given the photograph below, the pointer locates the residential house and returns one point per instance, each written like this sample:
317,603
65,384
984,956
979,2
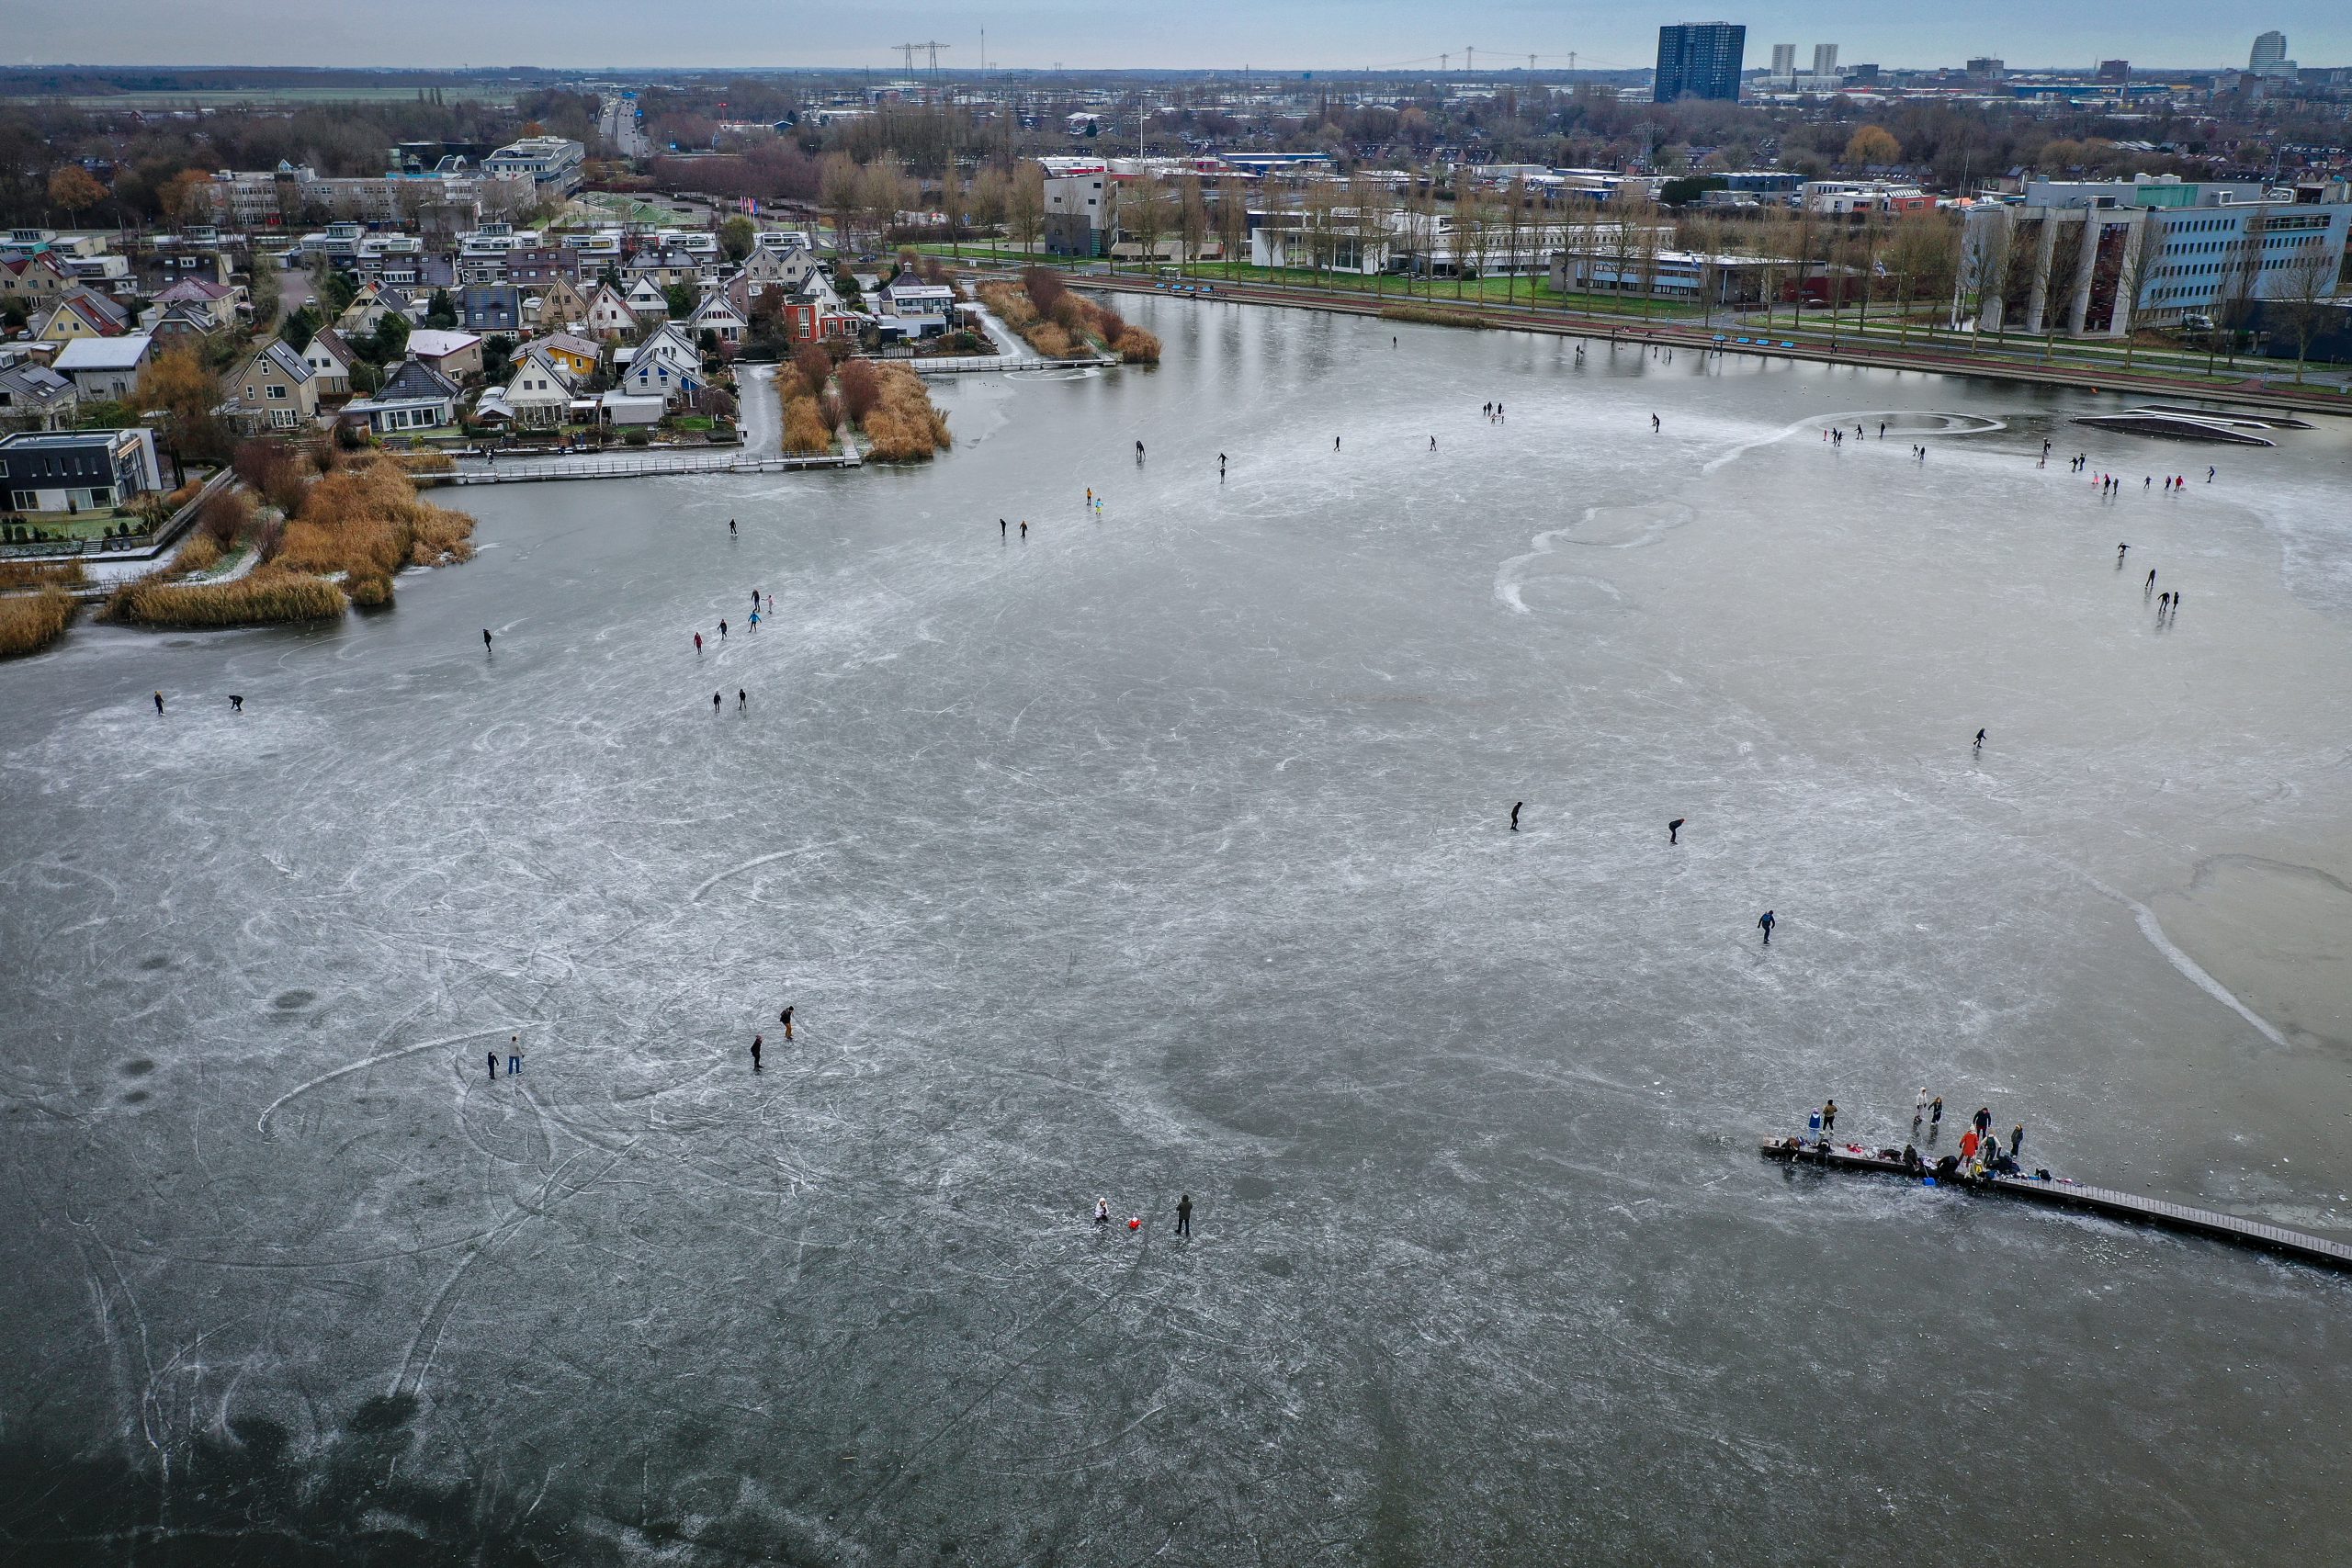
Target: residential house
561,306
276,391
577,355
608,314
536,266
105,367
173,325
34,397
367,308
492,308
33,283
666,365
79,313
770,268
71,471
537,397
330,359
647,301
218,301
667,267
911,308
413,396
716,316
815,313
455,355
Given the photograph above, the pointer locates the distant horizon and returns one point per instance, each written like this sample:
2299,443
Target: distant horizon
1279,36
967,73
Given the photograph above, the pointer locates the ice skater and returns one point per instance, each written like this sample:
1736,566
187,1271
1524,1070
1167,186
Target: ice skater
2164,603
1829,1116
1654,425
697,644
2150,586
1919,1108
722,631
755,600
1138,452
730,528
1433,442
2209,473
2120,551
1025,527
1184,1215
1514,814
485,639
514,1054
2017,1139
236,703
757,1041
1335,443
785,1017
1980,740
1003,529
1220,468
1767,921
1935,1114
714,704
742,699
1674,830
1101,1211
493,1067
159,705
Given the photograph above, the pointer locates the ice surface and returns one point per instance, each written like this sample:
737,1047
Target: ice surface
1168,852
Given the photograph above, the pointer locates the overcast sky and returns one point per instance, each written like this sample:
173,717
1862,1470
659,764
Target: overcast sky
1266,34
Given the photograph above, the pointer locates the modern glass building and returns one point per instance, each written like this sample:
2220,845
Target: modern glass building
1699,60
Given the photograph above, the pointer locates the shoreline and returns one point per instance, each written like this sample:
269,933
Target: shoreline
1549,323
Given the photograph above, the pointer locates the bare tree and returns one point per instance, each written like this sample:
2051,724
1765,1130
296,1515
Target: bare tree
2138,270
2244,285
1515,199
1232,218
1191,219
1024,207
2305,294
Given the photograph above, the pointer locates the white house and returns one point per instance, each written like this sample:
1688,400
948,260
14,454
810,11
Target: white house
609,315
105,366
646,300
537,397
715,316
666,366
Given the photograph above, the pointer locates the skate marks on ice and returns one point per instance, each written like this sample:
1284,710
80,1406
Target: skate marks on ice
1909,423
1603,527
299,1089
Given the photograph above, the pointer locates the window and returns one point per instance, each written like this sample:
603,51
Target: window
24,500
277,394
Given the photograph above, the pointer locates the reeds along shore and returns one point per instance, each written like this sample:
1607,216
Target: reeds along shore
31,622
354,518
1063,325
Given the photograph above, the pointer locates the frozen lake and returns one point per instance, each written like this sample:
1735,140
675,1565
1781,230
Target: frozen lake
1168,852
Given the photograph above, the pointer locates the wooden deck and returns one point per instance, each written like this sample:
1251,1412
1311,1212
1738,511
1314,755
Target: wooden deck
2130,1207
526,470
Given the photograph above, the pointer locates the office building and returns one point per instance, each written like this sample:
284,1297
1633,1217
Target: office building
1784,59
1986,68
2095,258
1699,60
2115,70
1824,60
2269,57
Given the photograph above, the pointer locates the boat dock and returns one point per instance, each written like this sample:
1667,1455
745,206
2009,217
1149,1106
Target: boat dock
525,471
2128,1207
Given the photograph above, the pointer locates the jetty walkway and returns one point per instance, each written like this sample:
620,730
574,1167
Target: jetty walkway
642,464
2105,1202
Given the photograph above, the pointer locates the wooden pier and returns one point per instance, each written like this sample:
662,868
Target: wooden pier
526,470
2128,1207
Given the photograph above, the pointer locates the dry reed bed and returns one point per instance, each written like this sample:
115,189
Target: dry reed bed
264,597
1063,325
31,622
893,408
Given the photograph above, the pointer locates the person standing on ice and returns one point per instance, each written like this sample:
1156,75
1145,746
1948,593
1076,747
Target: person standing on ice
785,1017
1768,920
1674,830
493,1067
714,704
755,1052
1514,814
159,705
1919,1108
1184,1215
514,1054
1101,1211
485,639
